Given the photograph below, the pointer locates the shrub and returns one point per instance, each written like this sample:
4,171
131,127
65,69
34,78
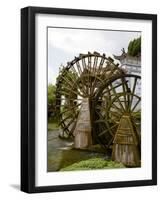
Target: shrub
94,163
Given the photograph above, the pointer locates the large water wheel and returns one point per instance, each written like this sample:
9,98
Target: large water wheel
119,97
77,83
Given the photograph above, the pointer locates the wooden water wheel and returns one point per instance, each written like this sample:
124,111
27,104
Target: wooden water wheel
80,80
118,97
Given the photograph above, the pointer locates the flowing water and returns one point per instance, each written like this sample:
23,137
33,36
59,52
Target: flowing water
61,152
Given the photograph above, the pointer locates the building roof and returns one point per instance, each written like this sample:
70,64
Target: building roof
125,55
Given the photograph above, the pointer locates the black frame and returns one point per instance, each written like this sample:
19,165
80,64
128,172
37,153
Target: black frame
28,98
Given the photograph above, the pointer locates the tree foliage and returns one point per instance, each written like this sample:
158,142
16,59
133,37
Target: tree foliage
51,99
134,47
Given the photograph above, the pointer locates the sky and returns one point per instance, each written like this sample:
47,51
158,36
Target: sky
64,44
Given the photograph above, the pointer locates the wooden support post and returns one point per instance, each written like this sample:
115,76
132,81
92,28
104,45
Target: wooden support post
82,132
125,147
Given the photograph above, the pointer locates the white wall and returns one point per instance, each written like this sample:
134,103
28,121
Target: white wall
10,98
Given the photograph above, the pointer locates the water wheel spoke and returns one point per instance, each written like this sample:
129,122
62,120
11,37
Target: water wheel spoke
64,119
97,75
79,68
105,72
83,64
62,92
103,132
95,64
114,126
114,91
113,70
74,82
70,99
137,132
70,108
115,114
88,72
136,114
133,91
109,130
70,90
100,66
72,129
117,108
101,108
106,92
110,141
124,93
72,69
138,101
67,81
99,121
70,122
82,86
67,94
117,86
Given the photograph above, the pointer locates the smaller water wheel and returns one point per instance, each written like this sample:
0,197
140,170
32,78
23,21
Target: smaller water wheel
118,97
79,81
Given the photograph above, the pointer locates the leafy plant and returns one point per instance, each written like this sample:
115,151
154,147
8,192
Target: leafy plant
94,163
134,47
51,99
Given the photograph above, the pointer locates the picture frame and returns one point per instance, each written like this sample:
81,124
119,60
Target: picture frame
30,39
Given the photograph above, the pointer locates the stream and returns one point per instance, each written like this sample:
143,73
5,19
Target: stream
61,152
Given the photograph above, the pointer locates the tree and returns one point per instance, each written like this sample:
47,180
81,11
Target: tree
134,47
51,99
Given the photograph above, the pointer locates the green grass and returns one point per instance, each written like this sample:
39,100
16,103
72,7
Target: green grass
52,123
52,126
94,163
